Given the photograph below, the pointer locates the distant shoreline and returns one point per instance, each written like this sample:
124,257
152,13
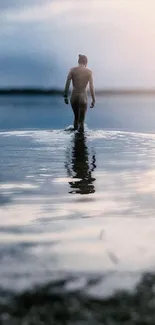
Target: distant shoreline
54,92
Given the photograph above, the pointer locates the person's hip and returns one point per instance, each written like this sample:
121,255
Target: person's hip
78,98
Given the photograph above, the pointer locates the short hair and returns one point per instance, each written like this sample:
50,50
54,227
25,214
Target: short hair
83,59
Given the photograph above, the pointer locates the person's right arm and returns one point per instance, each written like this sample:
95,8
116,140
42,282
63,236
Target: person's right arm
92,91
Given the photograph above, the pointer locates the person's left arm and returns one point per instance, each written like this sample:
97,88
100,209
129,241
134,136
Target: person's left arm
67,85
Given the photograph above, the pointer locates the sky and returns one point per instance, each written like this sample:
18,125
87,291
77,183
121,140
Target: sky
40,41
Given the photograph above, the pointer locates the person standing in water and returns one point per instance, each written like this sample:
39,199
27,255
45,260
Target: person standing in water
81,76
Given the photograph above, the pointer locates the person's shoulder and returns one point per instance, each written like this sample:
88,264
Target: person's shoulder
73,69
89,71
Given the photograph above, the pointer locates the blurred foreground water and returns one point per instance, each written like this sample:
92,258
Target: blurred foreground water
77,212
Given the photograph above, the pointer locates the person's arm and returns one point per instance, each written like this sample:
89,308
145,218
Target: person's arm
92,92
67,85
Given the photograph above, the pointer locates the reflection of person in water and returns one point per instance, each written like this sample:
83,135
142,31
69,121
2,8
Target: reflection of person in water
78,167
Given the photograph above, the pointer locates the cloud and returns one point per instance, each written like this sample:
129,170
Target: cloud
40,11
23,68
30,71
17,4
117,36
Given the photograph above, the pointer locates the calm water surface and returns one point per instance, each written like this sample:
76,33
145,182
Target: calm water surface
73,204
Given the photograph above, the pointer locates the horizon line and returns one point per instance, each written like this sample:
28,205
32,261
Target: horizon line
58,91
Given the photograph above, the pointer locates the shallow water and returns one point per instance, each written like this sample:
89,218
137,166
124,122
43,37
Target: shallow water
72,204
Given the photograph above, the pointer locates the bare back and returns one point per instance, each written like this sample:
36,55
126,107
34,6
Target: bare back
80,77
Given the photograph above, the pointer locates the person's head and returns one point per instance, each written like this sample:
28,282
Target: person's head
82,59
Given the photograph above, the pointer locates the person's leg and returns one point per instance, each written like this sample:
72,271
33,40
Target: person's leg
75,108
76,117
83,109
75,124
